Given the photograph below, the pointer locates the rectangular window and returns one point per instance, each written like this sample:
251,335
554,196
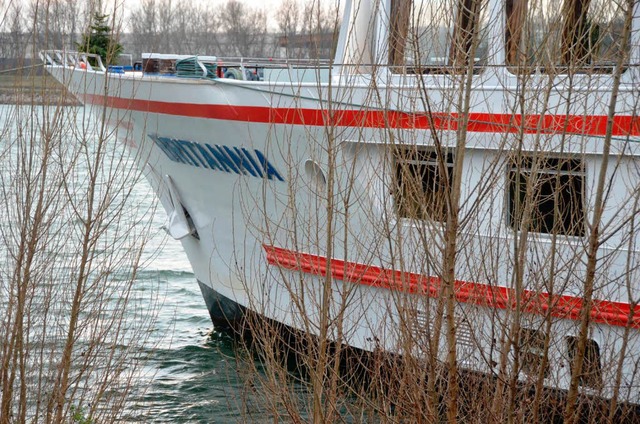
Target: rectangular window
551,189
423,183
567,36
437,37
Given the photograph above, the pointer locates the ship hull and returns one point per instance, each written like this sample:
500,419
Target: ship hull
282,195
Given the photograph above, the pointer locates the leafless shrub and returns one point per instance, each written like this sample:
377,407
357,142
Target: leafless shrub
505,239
72,238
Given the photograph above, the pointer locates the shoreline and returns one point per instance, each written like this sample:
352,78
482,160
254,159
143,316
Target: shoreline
38,99
35,90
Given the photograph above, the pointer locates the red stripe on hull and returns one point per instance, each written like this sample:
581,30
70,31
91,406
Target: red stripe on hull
593,125
568,307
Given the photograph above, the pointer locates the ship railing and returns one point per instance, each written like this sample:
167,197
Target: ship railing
212,67
244,68
72,59
252,68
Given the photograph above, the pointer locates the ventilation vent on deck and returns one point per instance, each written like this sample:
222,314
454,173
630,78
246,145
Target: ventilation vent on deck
466,344
464,338
422,324
422,328
591,375
532,352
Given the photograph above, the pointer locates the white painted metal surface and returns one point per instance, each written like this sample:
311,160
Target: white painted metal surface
252,163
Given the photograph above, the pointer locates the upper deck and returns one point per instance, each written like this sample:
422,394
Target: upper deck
443,40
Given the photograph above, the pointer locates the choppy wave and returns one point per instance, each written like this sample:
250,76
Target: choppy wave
191,383
190,375
164,274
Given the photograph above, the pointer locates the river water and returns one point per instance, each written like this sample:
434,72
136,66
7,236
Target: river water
188,371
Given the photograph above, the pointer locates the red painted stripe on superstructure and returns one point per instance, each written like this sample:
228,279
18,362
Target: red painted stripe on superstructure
568,307
594,125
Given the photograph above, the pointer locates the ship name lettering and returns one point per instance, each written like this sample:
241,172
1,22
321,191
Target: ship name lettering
227,159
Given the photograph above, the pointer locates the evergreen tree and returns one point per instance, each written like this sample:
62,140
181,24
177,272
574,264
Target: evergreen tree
99,40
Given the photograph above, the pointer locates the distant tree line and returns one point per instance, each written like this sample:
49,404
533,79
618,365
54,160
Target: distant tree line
297,28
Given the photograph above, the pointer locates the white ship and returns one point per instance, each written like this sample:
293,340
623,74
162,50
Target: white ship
461,183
